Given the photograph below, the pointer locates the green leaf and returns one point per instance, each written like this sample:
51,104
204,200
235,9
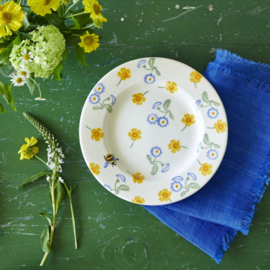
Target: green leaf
60,194
45,238
149,158
206,139
57,72
215,103
171,115
25,23
183,193
123,188
65,54
166,104
108,107
34,177
55,20
7,95
76,23
44,215
30,83
25,35
194,185
154,169
96,108
2,109
80,54
157,72
205,97
216,145
4,55
151,62
72,39
61,10
84,20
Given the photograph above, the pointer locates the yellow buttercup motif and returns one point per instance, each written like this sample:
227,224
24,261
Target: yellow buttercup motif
206,169
138,178
134,134
138,200
220,126
138,99
94,168
97,134
164,195
175,146
188,120
124,74
171,87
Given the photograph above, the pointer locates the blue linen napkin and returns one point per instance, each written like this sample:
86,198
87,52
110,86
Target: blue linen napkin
211,218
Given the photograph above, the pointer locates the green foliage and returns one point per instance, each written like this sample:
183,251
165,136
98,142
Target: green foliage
30,83
5,91
60,194
34,177
80,54
57,72
45,238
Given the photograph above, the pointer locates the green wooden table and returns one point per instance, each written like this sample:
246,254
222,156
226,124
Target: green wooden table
112,233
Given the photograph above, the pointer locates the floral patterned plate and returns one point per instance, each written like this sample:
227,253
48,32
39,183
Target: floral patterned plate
153,131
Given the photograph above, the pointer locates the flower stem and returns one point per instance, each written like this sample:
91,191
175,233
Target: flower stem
183,147
195,84
211,127
119,82
184,128
70,7
40,95
88,127
40,159
132,144
74,15
87,26
145,93
199,162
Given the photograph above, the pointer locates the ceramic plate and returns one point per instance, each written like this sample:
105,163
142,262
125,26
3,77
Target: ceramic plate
162,124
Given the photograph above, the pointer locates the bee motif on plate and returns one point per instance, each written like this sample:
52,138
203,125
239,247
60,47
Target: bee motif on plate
110,159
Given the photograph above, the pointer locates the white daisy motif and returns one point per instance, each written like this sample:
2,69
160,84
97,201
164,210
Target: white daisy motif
26,56
24,72
176,186
18,80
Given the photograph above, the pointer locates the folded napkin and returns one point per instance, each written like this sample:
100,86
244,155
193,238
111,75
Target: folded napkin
211,218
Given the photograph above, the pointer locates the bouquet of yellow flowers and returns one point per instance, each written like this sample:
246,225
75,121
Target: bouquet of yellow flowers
35,34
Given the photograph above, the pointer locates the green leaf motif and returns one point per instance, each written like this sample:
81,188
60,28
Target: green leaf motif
96,108
123,188
171,115
167,104
108,107
151,62
44,215
193,185
80,54
30,83
215,103
216,145
205,97
57,72
154,169
149,158
45,238
7,95
2,109
34,177
206,139
157,72
60,194
183,193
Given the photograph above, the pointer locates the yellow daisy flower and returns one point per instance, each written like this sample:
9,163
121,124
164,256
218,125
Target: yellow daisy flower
94,168
97,134
174,146
138,178
89,42
220,126
138,98
206,169
135,134
43,7
195,77
188,120
171,86
27,151
164,195
139,200
93,7
11,17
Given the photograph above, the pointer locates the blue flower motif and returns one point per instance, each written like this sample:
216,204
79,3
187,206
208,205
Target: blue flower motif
212,154
107,162
198,104
99,88
152,118
177,179
141,62
113,98
157,104
176,186
163,121
156,151
149,78
94,98
108,187
212,113
122,177
166,168
193,176
199,147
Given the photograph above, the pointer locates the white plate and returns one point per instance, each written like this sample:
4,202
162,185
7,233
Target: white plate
140,112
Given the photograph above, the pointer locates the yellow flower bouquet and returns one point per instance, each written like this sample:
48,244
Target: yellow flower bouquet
35,34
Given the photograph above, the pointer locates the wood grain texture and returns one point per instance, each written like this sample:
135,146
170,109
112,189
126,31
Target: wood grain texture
112,233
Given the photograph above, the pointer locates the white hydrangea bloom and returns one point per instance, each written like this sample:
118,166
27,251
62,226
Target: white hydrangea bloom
46,48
